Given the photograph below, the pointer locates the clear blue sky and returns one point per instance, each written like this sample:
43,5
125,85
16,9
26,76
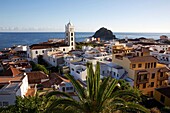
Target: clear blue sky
86,15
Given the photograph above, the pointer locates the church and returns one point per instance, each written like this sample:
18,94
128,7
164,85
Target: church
64,45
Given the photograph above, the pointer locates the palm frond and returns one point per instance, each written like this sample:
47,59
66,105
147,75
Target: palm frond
66,102
58,93
126,93
131,107
80,90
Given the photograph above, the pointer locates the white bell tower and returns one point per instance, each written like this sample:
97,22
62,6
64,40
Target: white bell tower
69,31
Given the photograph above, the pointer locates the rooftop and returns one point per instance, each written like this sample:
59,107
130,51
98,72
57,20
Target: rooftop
7,79
143,59
47,45
9,88
165,91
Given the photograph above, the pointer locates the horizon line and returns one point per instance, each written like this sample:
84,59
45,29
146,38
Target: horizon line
77,32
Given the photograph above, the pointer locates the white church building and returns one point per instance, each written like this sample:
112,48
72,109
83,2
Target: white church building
65,45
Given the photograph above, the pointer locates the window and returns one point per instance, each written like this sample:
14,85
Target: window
63,89
162,99
144,77
71,38
141,54
36,52
103,72
66,34
144,85
63,49
42,51
153,75
5,103
148,65
71,43
72,69
152,84
137,54
145,65
71,34
78,72
151,64
0,104
154,64
69,88
139,65
133,65
161,74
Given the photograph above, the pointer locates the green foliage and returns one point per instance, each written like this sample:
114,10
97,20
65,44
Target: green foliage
41,68
34,104
38,67
101,96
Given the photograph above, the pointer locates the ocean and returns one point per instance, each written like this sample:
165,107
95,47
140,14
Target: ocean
8,39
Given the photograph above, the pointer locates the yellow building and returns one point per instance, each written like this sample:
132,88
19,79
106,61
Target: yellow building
121,49
162,95
146,72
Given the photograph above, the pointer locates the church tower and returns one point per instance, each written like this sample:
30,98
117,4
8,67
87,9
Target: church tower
69,31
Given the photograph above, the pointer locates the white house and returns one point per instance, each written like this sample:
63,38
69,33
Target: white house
78,70
65,46
66,87
20,48
10,87
164,47
113,70
54,57
162,57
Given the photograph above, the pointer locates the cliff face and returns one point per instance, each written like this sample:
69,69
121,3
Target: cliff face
104,34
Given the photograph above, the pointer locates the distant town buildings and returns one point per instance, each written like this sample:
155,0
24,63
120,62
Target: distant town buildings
143,63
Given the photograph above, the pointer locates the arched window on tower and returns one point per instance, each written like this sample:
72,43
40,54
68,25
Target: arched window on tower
71,43
71,38
71,34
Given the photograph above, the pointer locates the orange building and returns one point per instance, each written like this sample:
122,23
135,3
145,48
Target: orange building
144,69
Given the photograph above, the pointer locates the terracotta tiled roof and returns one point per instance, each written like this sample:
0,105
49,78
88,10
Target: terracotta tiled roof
143,59
11,71
14,57
54,79
36,75
7,79
15,71
47,45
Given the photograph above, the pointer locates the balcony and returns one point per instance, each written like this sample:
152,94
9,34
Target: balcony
142,81
163,78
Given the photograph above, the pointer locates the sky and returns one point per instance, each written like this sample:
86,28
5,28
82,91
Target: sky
86,15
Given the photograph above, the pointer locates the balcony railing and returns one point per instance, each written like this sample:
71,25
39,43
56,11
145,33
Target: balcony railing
163,78
143,81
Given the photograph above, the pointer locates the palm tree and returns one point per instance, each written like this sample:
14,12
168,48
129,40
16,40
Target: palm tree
100,96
